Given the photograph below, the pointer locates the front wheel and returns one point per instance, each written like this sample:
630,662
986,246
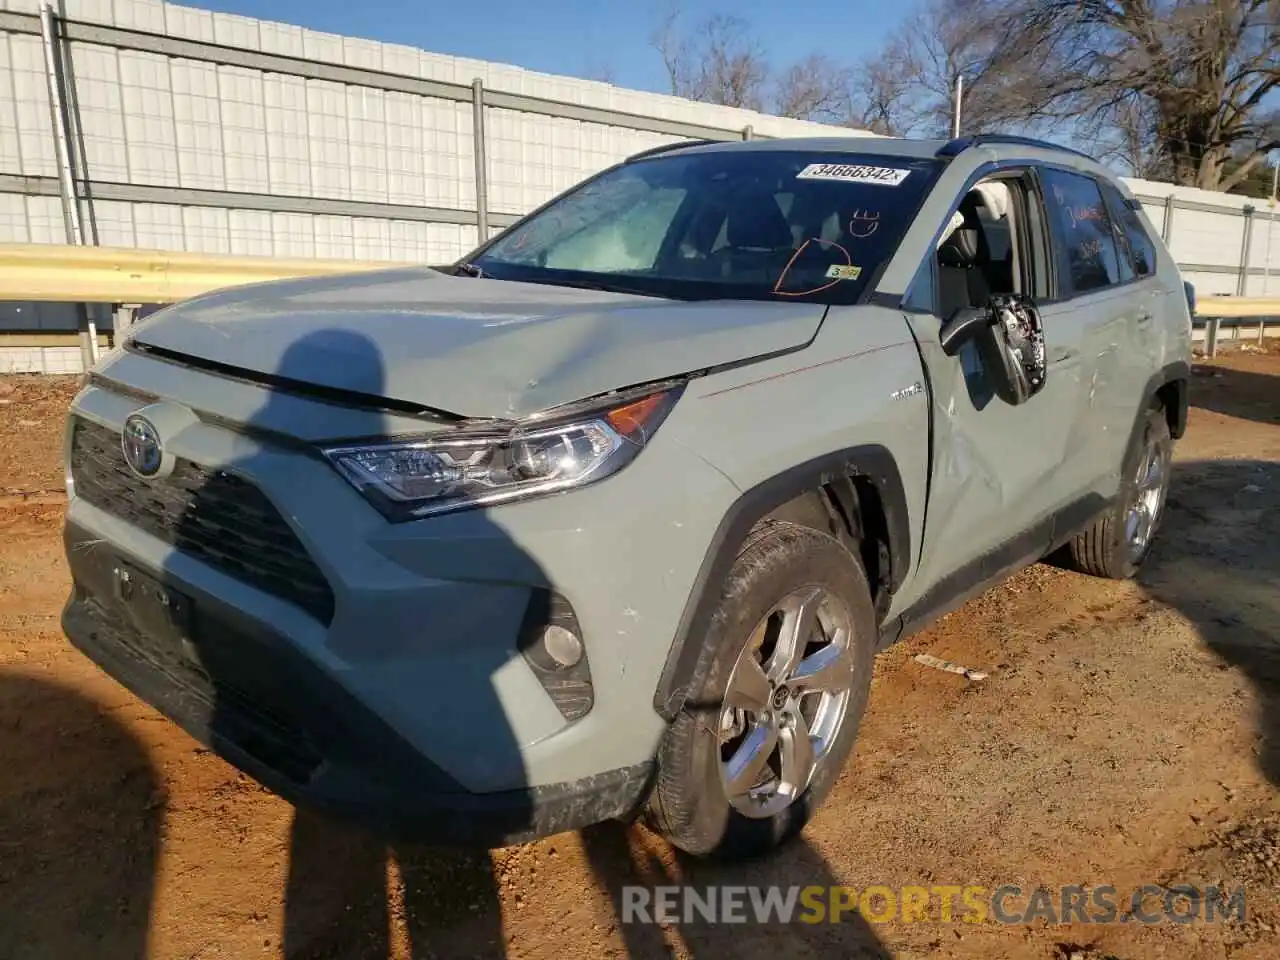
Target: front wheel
1115,546
787,671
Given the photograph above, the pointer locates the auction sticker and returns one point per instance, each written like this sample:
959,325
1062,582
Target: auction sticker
854,173
842,272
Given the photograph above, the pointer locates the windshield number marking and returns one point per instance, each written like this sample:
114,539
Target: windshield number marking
854,173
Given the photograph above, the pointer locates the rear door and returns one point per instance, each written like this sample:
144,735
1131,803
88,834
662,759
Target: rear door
1145,351
1096,296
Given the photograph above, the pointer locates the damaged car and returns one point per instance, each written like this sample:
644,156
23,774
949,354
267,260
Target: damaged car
609,519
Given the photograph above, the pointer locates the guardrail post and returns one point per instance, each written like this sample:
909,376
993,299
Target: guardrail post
1211,335
58,116
124,317
1242,281
54,78
482,165
1266,256
748,133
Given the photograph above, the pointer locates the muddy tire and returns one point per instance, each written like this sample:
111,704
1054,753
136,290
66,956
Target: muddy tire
785,677
1115,546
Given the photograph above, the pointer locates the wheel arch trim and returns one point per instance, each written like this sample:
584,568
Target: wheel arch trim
1177,373
873,462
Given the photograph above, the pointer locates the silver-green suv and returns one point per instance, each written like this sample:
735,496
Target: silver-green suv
610,517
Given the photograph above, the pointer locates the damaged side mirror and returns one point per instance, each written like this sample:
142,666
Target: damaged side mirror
1013,353
1009,337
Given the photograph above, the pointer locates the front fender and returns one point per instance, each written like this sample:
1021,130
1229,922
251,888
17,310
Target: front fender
688,658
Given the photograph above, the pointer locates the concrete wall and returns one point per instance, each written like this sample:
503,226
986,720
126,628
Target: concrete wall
215,133
235,149
1206,232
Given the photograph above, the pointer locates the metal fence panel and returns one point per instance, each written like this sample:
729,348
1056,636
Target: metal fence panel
212,132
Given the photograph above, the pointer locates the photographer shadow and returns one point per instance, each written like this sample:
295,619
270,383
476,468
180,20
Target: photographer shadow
80,816
356,778
1217,562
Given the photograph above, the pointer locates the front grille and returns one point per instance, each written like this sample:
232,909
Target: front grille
212,515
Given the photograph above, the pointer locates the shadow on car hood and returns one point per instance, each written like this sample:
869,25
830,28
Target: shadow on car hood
471,347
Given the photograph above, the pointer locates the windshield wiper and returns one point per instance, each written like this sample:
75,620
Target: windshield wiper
603,285
471,270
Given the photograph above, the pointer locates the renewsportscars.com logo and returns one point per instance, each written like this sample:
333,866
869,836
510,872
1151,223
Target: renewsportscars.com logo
939,903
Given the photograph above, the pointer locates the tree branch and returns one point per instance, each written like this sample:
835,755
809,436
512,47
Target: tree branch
1251,160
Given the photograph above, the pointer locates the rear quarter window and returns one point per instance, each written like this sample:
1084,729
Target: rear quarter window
1083,236
1132,236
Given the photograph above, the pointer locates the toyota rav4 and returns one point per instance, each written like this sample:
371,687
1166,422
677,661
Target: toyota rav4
609,518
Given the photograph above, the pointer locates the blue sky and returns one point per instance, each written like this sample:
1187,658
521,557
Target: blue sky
583,37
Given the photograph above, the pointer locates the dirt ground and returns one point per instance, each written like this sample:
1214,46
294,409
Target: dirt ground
1128,734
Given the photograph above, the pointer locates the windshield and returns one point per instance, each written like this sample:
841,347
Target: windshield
749,224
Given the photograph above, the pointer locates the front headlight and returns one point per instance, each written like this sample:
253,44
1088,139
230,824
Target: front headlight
558,450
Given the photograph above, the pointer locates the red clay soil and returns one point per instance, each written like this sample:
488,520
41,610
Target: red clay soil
1128,734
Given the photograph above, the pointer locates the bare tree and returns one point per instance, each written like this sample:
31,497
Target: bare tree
734,71
881,101
816,88
719,62
1122,134
1181,87
1203,72
907,89
674,48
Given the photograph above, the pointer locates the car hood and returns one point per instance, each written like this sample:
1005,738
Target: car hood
469,347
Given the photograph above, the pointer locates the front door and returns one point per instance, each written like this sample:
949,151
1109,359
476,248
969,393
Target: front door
996,478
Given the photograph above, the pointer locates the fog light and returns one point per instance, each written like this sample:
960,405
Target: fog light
551,644
565,648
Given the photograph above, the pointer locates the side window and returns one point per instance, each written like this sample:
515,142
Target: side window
991,245
1082,233
1131,233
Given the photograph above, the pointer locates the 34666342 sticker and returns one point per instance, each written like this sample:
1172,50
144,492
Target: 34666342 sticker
854,173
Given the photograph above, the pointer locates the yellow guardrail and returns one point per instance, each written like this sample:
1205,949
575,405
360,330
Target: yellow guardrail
1223,307
67,274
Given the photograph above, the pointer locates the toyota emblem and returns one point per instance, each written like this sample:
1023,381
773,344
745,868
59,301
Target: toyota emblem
141,445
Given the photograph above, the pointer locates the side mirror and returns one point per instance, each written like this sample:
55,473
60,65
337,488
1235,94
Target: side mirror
962,327
1013,349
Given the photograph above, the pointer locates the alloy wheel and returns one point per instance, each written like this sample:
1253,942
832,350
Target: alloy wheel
786,701
1151,486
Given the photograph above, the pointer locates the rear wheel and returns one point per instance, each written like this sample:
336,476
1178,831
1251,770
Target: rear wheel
787,671
1115,546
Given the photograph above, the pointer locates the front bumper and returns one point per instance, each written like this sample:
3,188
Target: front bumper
252,698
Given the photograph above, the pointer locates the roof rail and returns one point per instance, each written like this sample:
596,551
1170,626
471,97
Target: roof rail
668,147
953,147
